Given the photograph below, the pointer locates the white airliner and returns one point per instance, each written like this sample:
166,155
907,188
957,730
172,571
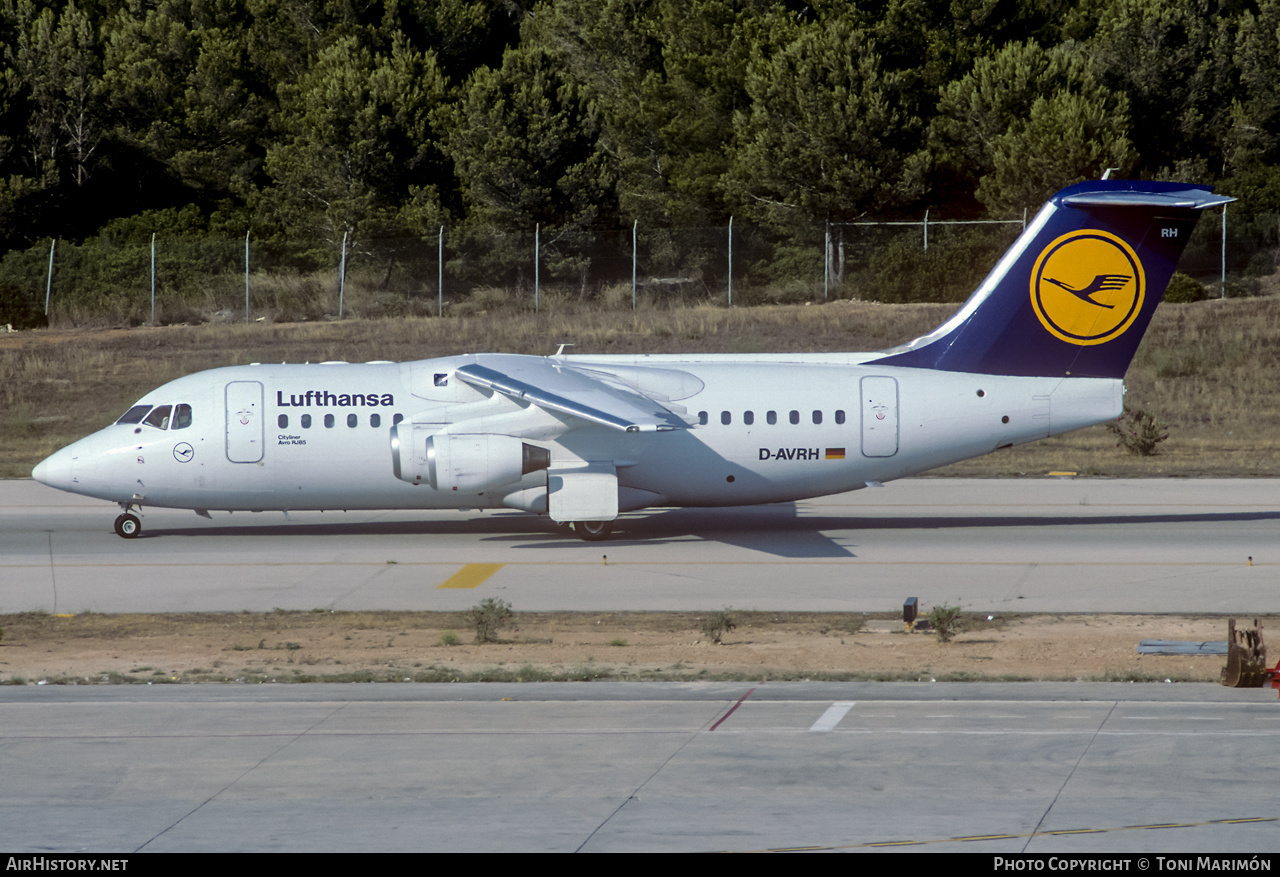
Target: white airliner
1039,349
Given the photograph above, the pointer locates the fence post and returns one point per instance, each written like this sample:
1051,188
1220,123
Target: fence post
342,275
48,278
537,231
1224,252
153,278
826,259
246,276
926,229
730,261
440,275
634,226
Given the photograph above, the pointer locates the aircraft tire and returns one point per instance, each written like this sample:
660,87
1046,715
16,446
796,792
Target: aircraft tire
128,526
593,531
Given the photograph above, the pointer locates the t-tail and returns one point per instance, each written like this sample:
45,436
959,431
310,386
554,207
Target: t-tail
1075,293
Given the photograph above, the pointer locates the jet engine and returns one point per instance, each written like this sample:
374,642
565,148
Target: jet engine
464,463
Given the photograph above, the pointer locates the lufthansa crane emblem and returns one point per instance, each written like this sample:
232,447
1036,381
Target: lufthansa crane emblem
1087,287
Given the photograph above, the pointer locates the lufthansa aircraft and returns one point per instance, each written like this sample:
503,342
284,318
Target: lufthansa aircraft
1039,349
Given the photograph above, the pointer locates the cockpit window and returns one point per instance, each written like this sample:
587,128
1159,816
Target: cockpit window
182,417
159,418
134,414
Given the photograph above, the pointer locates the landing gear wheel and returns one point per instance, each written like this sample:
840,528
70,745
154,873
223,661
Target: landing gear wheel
128,526
593,531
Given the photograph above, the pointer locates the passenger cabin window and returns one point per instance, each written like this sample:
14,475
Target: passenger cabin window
771,418
328,421
817,417
159,418
181,417
795,417
134,414
726,418
375,420
306,421
748,417
353,420
702,418
397,419
283,421
840,416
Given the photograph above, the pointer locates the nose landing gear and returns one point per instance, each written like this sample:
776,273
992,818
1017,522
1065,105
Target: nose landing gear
128,525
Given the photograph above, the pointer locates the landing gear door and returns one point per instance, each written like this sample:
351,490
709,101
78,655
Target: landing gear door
879,417
244,421
586,492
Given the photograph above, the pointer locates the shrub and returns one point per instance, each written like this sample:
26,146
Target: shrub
1261,264
1241,287
1183,289
716,624
488,616
946,621
1138,432
20,310
448,638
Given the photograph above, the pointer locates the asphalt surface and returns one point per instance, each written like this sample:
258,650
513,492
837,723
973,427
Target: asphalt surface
991,769
1046,545
980,768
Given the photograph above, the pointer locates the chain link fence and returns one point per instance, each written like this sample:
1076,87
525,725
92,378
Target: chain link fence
199,279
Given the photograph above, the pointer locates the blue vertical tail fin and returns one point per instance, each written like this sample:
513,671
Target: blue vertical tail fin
1075,293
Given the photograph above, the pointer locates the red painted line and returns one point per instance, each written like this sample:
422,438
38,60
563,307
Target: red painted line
731,709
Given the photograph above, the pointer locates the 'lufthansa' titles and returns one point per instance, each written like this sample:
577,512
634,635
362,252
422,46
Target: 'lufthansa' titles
325,399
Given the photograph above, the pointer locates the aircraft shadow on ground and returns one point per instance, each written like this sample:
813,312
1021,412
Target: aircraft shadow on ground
776,529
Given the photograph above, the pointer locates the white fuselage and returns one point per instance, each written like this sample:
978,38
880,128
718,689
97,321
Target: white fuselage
763,429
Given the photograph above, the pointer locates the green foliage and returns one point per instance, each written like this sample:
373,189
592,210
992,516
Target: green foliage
946,620
18,309
1067,138
1241,287
1261,264
715,625
824,135
317,119
983,116
488,617
526,147
1183,289
950,270
1138,432
449,638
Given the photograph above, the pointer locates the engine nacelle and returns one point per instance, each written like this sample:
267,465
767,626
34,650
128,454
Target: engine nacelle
463,463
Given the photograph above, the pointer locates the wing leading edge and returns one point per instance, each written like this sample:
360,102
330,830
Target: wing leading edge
569,391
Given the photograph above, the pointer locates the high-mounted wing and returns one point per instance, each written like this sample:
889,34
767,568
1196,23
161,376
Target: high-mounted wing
562,388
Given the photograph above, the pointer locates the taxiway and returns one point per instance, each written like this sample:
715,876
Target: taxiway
1033,545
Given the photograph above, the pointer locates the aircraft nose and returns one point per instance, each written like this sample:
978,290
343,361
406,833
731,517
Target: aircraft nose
54,470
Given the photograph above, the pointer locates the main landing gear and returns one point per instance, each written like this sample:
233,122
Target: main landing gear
128,525
593,531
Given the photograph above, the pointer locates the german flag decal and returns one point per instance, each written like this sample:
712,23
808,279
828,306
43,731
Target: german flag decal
835,453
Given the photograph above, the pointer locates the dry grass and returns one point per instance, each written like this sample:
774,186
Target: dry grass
411,646
1211,370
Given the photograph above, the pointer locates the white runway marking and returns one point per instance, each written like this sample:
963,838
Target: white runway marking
832,716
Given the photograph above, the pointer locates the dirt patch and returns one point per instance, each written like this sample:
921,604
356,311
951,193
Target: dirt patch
434,646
